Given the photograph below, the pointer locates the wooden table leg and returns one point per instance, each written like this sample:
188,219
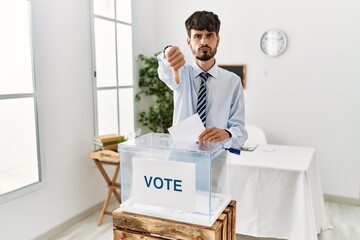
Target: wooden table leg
103,211
112,185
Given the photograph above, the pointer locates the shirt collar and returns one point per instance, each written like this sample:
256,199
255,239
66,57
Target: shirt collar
212,71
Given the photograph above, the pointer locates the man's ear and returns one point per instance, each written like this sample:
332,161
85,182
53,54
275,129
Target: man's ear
218,40
188,41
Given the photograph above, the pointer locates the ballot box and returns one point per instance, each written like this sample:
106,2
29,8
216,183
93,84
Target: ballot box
181,181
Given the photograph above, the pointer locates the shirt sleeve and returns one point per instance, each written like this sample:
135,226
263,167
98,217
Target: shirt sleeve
236,123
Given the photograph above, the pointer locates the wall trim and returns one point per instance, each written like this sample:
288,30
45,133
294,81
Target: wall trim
83,215
342,200
72,221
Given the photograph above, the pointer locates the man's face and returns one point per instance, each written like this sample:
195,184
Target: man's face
203,44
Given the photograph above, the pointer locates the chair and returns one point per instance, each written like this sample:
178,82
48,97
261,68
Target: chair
255,135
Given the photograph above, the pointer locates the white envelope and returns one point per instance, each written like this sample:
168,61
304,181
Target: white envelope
188,130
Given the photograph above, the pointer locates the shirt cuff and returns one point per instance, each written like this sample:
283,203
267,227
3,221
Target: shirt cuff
230,135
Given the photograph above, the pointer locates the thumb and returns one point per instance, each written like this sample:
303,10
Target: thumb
176,76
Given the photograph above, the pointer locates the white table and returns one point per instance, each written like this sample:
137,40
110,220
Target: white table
278,193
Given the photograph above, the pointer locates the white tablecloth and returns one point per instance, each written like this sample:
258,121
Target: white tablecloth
278,193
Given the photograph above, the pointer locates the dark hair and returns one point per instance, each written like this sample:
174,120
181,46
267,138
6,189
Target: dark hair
203,20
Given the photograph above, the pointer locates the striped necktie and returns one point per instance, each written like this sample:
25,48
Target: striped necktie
201,102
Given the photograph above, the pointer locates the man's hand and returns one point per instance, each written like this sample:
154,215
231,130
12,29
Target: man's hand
213,134
176,60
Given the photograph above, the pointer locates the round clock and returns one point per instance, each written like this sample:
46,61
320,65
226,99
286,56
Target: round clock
273,42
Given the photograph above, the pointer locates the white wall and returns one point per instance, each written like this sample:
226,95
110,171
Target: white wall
63,71
306,97
144,42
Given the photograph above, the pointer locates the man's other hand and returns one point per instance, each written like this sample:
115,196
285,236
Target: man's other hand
213,134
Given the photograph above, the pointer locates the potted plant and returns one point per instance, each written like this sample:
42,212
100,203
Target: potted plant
158,118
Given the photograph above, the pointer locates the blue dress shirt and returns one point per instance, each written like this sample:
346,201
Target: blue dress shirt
224,100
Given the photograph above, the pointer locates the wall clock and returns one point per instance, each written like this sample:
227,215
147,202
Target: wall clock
273,42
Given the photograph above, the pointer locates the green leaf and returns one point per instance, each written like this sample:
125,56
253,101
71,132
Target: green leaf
158,117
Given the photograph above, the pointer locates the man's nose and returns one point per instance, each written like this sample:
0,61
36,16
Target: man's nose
203,40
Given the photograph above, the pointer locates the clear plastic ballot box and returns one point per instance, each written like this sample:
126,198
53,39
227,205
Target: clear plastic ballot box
186,182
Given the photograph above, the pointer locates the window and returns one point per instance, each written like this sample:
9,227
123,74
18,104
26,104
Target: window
20,162
113,66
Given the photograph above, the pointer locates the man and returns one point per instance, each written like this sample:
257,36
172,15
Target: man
223,104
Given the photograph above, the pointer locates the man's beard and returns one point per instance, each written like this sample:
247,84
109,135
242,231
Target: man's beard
204,55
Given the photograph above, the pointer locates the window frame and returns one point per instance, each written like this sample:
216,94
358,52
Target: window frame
117,87
41,163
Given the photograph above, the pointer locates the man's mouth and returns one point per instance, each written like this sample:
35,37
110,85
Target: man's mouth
205,49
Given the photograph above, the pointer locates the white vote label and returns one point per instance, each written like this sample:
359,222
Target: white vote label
166,184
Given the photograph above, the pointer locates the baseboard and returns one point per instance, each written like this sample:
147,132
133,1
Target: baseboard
83,215
342,200
72,221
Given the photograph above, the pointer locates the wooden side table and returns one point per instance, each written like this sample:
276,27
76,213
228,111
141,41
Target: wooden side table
107,157
135,226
